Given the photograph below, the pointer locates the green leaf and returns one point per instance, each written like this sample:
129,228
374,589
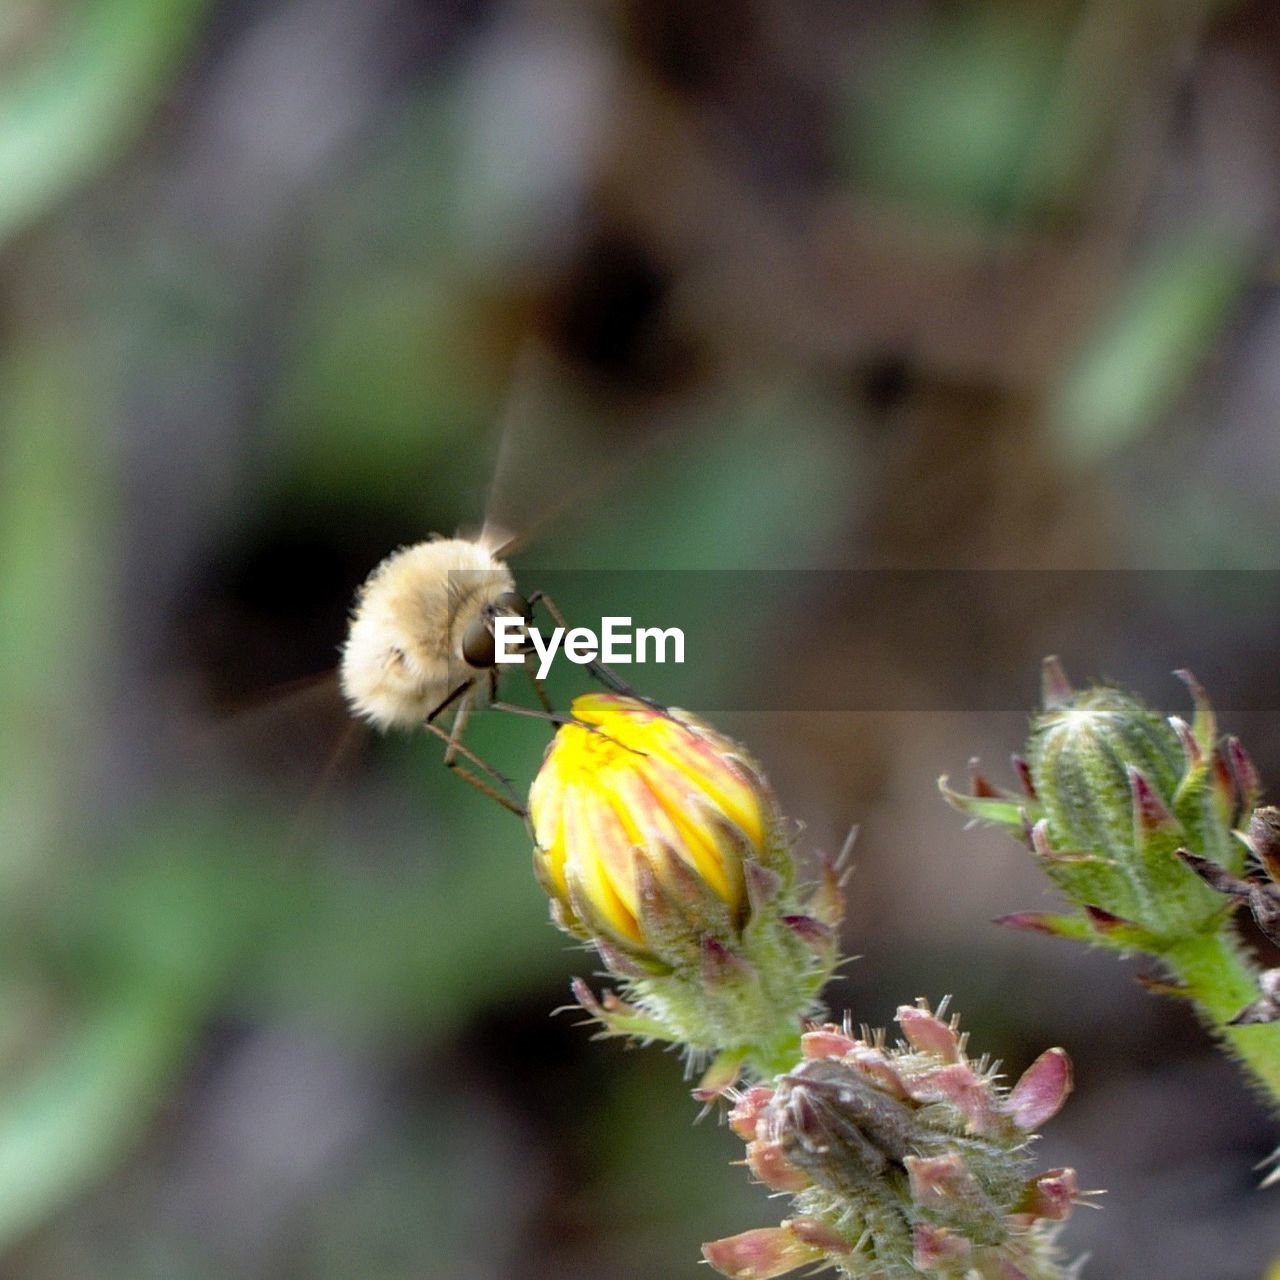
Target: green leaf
65,114
1005,813
1142,357
64,1125
52,504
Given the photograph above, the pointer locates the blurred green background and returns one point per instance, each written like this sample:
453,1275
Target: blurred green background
810,284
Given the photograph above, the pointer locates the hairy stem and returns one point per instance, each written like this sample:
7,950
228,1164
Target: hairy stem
1222,980
778,1056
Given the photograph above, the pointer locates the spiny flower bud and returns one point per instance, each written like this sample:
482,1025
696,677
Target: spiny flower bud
902,1161
659,841
1144,823
1111,794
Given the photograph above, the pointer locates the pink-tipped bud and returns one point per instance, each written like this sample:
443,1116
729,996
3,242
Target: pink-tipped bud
937,1249
1115,784
908,1159
826,1042
768,1161
760,1255
1049,1197
1040,1092
928,1033
746,1111
876,1064
816,1232
943,1179
958,1085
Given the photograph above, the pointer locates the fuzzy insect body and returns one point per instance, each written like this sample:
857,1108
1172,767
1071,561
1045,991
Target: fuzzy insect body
421,631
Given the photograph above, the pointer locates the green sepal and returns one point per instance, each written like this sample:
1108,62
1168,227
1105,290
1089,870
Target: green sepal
1009,813
722,1074
1205,723
617,1018
1111,930
1057,925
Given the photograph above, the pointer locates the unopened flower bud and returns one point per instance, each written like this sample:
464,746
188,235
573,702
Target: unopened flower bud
904,1161
1112,793
659,840
1144,823
627,791
761,1254
838,1125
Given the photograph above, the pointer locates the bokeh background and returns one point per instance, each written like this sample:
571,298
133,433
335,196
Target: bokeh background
759,284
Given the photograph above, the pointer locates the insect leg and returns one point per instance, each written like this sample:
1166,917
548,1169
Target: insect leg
534,713
449,701
541,597
539,689
557,719
454,748
612,680
606,675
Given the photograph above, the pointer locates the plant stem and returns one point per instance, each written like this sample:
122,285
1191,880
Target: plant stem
1222,980
778,1056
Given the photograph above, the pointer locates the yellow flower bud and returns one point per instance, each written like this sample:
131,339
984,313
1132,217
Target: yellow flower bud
635,807
658,841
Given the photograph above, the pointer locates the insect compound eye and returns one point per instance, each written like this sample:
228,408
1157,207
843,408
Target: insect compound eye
513,602
478,646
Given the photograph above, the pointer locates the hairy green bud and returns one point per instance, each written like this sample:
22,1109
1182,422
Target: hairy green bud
1115,799
1146,824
